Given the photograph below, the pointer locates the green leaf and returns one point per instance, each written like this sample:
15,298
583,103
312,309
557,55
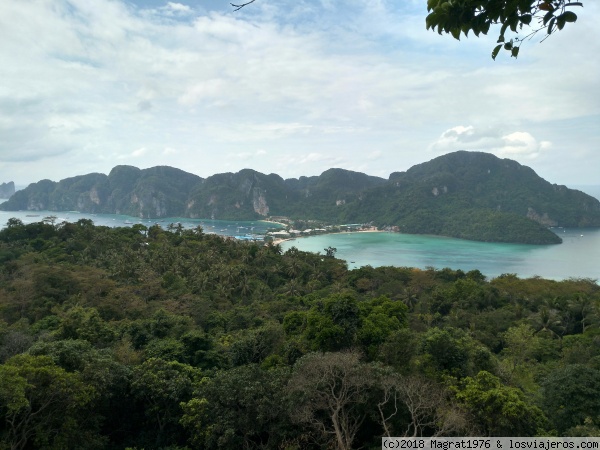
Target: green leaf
551,24
569,16
548,16
495,51
515,52
525,5
508,46
431,4
526,19
456,33
428,22
465,29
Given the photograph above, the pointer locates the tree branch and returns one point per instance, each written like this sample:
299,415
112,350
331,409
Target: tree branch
241,5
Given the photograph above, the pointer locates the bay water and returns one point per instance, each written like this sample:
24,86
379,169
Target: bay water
577,257
239,229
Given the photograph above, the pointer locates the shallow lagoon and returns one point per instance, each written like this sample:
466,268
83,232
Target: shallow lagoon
578,256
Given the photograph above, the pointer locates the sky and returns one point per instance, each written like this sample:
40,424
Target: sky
286,87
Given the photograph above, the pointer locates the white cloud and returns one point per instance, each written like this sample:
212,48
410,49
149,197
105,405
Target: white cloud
310,161
360,83
177,8
313,157
202,91
515,145
248,156
139,152
251,132
376,154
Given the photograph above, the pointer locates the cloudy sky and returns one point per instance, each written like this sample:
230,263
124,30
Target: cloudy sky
291,87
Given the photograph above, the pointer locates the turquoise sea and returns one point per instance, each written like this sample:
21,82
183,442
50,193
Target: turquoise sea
578,256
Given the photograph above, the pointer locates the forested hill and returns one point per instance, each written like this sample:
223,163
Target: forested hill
169,192
478,196
469,195
136,337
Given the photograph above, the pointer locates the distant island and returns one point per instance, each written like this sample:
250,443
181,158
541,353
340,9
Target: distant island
7,189
469,195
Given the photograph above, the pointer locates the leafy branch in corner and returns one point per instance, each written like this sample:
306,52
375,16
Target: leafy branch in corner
461,16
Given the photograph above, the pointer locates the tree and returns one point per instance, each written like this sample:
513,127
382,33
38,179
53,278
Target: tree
41,403
461,16
50,220
330,252
521,346
332,323
572,396
430,411
85,323
498,409
13,222
380,318
446,351
584,310
239,408
330,393
162,386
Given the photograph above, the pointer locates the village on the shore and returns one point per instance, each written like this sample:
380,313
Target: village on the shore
291,229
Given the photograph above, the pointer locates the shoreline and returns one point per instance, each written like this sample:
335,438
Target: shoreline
281,240
275,222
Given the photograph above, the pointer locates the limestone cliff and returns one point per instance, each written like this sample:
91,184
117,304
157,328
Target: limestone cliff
259,201
7,190
470,195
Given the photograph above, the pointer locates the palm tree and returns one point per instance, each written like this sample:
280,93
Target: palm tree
548,321
292,288
583,309
409,298
201,282
245,286
293,268
223,290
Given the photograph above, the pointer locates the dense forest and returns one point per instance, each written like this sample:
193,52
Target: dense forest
144,338
468,195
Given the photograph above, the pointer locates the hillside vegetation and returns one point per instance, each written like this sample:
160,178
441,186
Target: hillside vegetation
114,338
468,195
